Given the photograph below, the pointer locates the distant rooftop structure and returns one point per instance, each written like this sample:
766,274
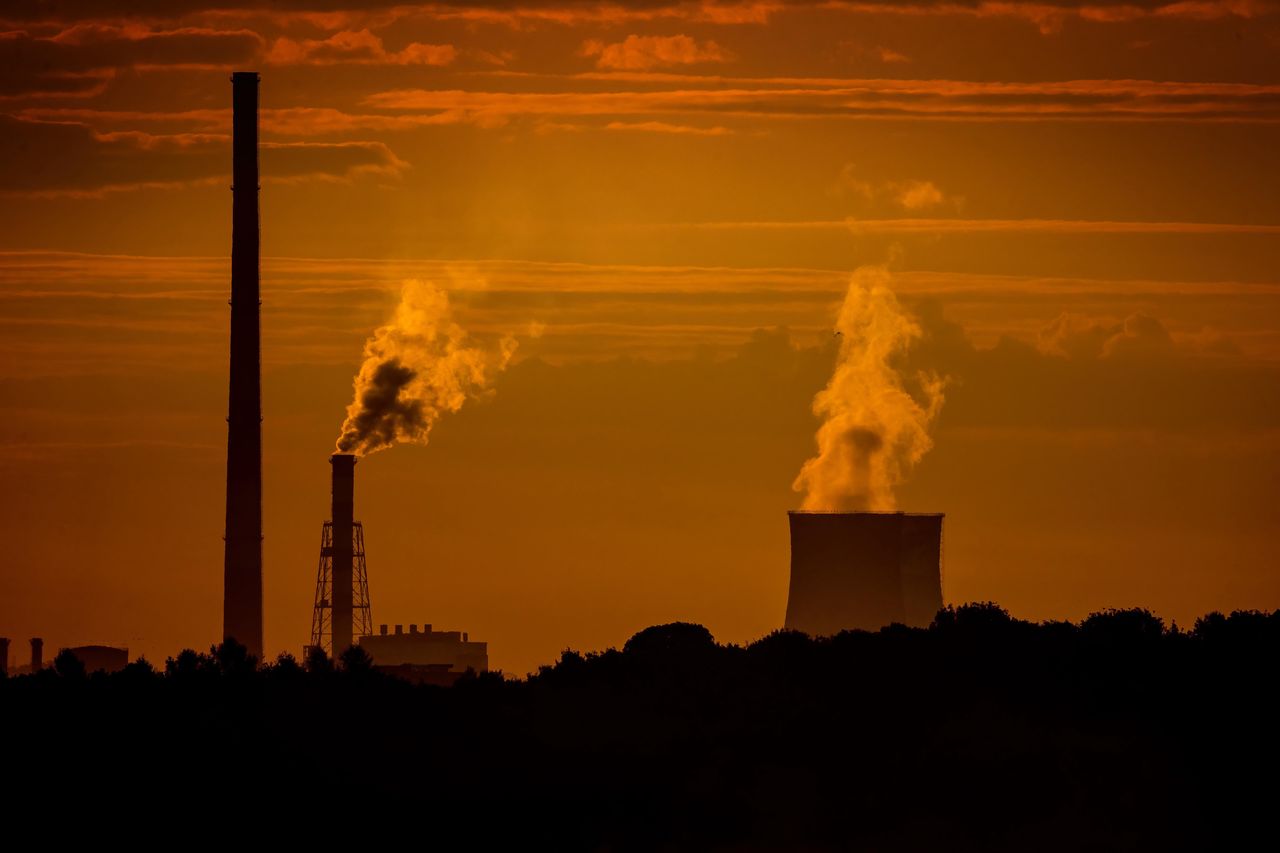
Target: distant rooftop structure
101,658
425,656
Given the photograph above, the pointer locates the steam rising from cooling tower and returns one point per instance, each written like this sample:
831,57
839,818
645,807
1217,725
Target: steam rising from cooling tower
873,430
416,368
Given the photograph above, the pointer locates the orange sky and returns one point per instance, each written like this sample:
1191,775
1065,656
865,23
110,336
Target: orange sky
664,203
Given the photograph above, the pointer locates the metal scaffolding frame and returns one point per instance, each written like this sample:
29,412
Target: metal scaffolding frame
322,610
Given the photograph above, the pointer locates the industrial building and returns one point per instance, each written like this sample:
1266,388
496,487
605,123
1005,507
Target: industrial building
426,656
863,570
95,658
101,658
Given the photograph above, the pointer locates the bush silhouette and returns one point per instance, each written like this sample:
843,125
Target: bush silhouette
1134,625
68,666
675,641
317,662
356,661
233,659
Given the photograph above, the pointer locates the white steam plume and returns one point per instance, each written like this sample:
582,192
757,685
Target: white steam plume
873,430
416,368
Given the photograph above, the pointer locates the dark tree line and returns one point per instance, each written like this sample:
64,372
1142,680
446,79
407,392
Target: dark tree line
981,732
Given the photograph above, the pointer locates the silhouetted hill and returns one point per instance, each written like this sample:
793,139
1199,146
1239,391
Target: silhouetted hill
982,732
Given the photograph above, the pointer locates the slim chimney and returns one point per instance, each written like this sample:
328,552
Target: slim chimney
4,655
242,567
37,654
344,487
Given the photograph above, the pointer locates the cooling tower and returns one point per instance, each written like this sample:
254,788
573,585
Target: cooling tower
863,570
344,488
242,564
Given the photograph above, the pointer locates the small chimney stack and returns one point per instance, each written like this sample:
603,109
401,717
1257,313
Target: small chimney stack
37,654
4,655
344,487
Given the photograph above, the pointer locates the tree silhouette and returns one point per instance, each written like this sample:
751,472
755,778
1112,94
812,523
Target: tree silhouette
677,639
318,663
68,666
233,659
982,732
356,661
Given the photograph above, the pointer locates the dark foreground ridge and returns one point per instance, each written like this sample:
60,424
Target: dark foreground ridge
980,732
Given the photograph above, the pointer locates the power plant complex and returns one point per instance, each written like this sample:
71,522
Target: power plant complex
92,658
341,613
849,570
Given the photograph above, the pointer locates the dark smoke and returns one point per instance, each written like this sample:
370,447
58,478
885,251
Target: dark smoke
383,414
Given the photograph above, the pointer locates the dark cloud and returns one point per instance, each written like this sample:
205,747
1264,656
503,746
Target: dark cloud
35,10
1045,14
78,60
1097,374
67,157
1138,335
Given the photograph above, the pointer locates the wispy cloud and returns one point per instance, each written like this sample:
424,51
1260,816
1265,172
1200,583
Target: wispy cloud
37,153
356,47
641,53
978,226
815,98
665,127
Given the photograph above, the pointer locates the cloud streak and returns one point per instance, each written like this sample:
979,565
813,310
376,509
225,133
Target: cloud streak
979,226
80,60
818,98
1048,16
71,159
642,53
356,48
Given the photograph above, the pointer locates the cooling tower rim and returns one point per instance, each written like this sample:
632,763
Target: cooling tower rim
835,512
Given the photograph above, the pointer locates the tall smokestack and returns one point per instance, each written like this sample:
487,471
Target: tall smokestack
344,488
4,655
242,569
37,654
863,570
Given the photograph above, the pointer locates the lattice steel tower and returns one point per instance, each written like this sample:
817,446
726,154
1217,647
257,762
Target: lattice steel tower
322,612
341,613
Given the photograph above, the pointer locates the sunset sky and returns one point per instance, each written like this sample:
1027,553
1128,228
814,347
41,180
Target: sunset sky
663,203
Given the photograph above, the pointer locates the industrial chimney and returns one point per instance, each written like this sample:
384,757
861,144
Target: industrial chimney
37,654
242,567
343,518
863,570
4,655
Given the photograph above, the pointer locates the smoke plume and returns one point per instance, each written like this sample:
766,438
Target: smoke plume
873,430
416,368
